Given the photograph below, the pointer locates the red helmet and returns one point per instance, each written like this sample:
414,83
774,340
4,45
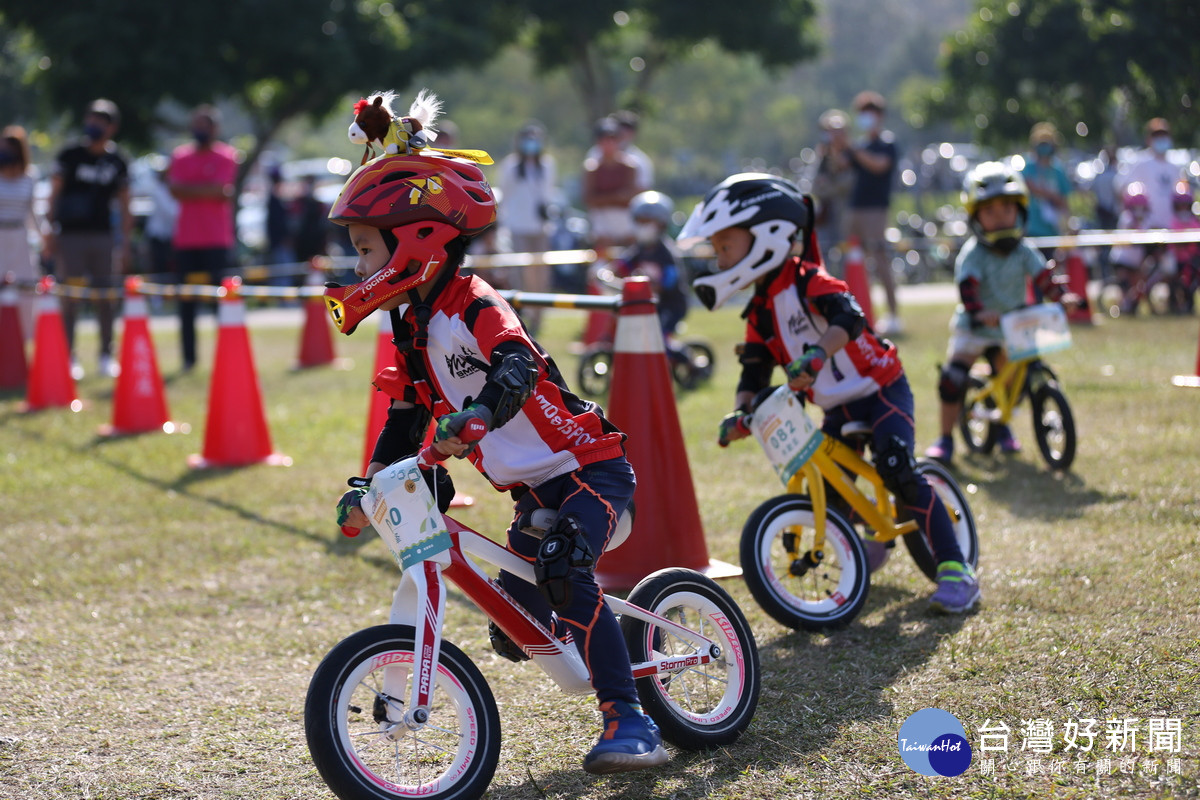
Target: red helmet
426,202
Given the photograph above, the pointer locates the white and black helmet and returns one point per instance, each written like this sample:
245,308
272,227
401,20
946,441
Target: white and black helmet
773,210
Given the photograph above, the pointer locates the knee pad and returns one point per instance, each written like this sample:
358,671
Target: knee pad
564,548
897,467
952,382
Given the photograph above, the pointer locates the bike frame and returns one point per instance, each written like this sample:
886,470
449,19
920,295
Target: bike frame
835,461
420,601
1005,387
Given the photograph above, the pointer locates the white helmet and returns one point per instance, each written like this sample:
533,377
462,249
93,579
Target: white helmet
775,212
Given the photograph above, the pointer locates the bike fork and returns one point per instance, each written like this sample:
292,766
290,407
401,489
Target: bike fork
421,588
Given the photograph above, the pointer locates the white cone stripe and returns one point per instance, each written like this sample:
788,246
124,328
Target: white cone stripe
639,333
135,307
231,313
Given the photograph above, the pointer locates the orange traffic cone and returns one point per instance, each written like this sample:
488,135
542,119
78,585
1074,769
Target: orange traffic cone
1077,281
236,434
50,383
316,340
139,399
667,531
1189,381
856,278
13,369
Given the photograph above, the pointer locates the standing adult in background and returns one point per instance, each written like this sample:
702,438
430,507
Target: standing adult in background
312,224
627,131
1107,202
202,177
610,180
160,223
873,158
280,226
88,176
528,187
832,182
1048,185
1157,175
17,220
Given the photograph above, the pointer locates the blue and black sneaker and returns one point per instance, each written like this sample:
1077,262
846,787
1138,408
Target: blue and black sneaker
630,741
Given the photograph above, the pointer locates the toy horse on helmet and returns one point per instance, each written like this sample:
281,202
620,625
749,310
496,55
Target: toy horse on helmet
374,122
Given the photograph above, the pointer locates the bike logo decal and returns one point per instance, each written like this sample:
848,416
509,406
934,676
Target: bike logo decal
933,742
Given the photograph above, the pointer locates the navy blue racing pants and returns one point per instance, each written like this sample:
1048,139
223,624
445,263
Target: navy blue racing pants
889,412
597,495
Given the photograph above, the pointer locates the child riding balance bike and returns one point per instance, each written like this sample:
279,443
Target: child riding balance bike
804,319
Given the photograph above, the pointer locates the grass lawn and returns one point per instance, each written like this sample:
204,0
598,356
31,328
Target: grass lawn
158,625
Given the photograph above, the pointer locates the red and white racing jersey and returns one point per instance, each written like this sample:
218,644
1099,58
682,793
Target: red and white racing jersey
786,323
554,433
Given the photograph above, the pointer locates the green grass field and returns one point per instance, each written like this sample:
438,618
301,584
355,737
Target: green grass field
160,625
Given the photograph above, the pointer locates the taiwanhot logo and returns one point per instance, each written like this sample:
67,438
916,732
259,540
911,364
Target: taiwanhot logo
934,742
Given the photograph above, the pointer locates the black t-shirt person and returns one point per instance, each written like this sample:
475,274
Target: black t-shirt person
89,183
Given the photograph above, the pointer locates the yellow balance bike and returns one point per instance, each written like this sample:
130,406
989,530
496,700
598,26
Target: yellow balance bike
991,399
802,558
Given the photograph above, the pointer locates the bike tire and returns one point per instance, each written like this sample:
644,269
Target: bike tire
826,596
701,706
962,520
1054,427
975,419
595,370
704,361
453,757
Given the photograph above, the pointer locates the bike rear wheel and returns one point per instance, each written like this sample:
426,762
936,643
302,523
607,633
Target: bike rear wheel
1054,427
810,591
961,519
595,370
975,418
348,719
696,706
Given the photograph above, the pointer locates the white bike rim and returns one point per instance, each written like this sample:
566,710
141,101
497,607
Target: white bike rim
833,539
402,750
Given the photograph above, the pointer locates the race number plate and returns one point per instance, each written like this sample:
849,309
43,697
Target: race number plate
1035,331
405,514
786,433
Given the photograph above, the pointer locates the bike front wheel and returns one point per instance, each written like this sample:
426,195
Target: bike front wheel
1054,427
696,706
961,520
793,582
356,731
975,418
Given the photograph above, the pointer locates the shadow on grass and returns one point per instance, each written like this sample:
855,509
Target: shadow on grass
1033,491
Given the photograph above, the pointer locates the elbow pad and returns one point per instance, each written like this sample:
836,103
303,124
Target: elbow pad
401,434
842,310
510,382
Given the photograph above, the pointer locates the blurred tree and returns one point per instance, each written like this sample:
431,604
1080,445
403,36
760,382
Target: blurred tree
279,59
1093,67
615,48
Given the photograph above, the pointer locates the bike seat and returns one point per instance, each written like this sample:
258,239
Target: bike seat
855,429
540,520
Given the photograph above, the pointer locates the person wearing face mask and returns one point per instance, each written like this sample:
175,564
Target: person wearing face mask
88,178
655,256
1155,173
18,220
528,178
873,159
202,177
1048,184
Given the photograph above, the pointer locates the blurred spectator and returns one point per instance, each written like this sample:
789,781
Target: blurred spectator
1155,173
1186,255
1132,262
833,181
528,189
610,181
874,161
280,225
160,224
627,130
1107,201
312,224
88,177
1048,184
202,177
18,223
